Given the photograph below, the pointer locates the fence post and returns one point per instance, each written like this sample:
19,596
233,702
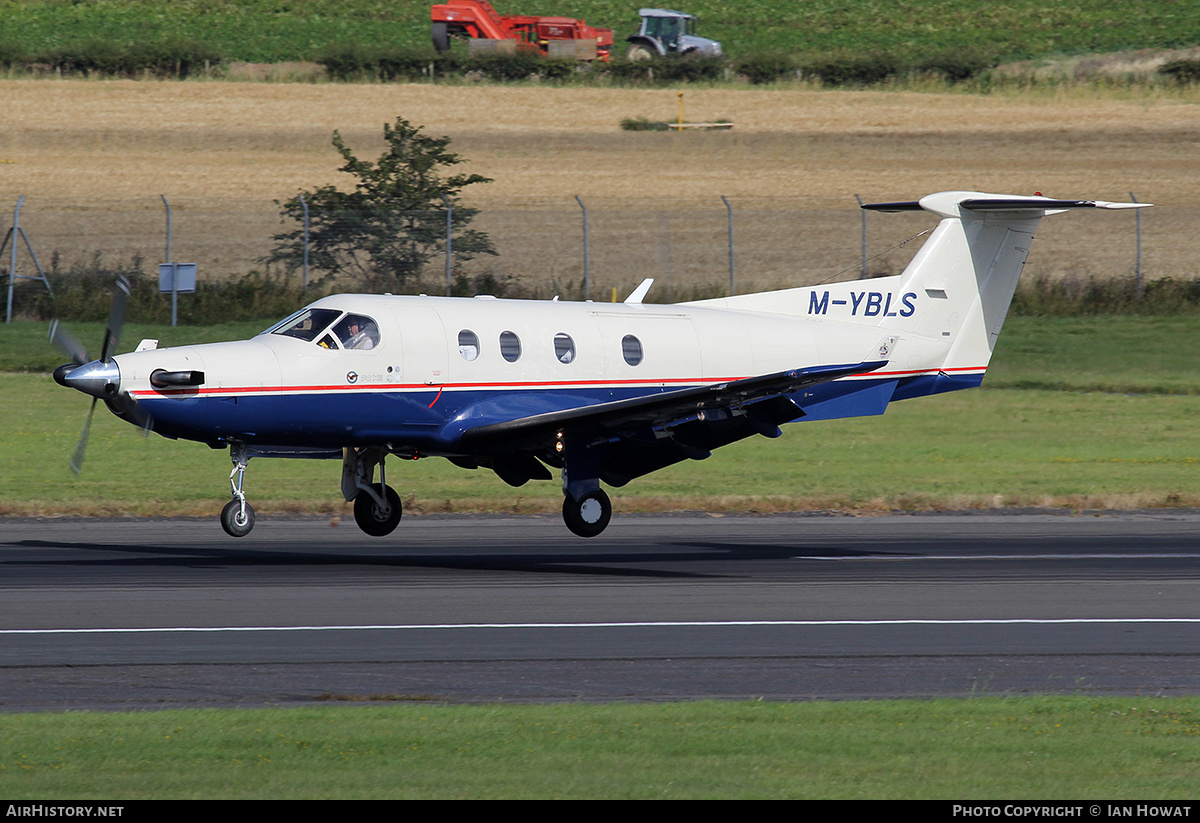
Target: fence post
587,280
449,240
16,234
174,291
12,256
1141,287
863,212
729,219
168,208
304,205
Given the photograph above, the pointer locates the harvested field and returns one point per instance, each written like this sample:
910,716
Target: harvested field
92,158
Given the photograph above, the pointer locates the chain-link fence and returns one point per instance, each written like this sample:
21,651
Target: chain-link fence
590,246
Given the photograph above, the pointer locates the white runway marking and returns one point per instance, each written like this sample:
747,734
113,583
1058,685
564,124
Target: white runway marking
627,625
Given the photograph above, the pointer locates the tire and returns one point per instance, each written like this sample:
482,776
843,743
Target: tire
589,515
374,520
641,51
233,521
441,37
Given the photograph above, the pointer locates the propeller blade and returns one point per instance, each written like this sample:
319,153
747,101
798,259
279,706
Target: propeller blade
68,343
81,446
116,318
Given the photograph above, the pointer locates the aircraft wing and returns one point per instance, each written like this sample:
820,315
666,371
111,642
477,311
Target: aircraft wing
642,415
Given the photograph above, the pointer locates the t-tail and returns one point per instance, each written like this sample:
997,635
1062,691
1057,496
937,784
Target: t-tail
966,274
947,307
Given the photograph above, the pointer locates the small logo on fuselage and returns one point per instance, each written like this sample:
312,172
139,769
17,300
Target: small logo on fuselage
351,377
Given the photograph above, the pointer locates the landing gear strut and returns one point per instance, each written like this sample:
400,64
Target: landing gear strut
377,509
237,518
586,508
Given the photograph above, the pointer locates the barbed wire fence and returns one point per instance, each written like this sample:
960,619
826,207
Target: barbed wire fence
586,247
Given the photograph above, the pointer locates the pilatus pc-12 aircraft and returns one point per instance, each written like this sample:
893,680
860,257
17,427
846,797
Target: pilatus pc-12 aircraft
602,393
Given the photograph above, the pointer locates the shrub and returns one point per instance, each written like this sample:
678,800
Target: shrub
164,58
851,69
1181,71
767,67
83,293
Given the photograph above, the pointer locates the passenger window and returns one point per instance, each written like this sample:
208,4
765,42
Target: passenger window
356,331
631,349
564,347
468,345
510,346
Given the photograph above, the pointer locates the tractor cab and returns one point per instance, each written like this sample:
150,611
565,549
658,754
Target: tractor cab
666,32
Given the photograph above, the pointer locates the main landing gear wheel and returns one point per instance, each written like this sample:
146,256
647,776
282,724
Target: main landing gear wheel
374,519
237,518
589,515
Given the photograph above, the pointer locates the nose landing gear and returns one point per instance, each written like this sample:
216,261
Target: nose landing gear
237,518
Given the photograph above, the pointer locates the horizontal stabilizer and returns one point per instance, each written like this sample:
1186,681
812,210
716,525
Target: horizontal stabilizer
952,203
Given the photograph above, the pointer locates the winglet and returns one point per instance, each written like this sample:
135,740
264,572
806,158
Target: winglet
640,291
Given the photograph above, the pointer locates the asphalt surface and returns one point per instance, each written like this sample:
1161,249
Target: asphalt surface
115,614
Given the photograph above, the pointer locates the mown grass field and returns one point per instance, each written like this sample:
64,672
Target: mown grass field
1060,748
1080,413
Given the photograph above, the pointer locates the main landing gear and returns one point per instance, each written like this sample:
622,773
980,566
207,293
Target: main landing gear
377,508
588,515
586,508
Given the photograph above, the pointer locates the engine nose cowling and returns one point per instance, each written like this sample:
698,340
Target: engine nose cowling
99,379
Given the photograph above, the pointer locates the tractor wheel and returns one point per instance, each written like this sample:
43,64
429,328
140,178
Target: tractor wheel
441,37
641,51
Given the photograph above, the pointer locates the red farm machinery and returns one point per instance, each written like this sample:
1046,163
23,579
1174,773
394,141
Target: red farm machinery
488,30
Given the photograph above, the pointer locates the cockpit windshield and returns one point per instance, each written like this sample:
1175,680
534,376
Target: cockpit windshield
307,324
351,331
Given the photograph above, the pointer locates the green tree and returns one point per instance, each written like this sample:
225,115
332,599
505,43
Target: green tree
394,222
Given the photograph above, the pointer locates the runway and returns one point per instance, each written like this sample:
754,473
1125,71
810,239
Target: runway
115,614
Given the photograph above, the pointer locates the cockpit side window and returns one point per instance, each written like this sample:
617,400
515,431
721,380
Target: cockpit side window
307,324
357,331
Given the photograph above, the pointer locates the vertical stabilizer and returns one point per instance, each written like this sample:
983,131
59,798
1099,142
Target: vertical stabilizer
965,275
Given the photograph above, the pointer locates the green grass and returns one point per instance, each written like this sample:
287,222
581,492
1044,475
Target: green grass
1122,436
270,31
1064,748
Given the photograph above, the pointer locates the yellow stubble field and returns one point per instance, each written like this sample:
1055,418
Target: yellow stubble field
93,158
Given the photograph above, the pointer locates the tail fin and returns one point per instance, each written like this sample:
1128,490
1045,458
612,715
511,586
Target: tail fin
948,305
965,275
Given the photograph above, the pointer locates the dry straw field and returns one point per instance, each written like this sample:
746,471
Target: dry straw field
92,158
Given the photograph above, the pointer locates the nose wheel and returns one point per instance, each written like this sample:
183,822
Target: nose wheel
237,518
589,515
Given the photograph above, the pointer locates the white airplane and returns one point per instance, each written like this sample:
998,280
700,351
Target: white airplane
602,392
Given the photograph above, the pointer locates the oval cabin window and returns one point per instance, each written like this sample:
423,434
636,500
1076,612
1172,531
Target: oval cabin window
564,347
510,346
631,349
468,345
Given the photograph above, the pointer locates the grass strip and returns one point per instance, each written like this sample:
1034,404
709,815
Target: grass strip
978,449
1064,748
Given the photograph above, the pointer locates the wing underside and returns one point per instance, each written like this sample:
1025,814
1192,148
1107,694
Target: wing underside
632,437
